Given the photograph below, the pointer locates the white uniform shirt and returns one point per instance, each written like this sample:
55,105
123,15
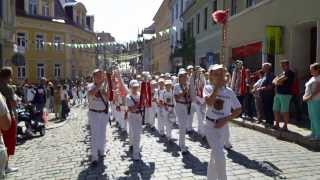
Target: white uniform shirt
95,102
30,94
177,90
159,94
311,86
226,100
63,95
130,102
168,98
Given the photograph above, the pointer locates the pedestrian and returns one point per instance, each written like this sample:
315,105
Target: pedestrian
266,91
5,123
153,109
57,101
182,97
192,87
248,96
222,106
10,135
312,97
98,115
135,118
283,83
168,113
30,93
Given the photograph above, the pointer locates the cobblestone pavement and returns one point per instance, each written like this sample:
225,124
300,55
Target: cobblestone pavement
63,154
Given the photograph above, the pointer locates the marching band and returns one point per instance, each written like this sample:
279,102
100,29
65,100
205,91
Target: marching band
160,103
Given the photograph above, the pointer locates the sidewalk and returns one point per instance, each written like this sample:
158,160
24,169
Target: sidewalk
296,134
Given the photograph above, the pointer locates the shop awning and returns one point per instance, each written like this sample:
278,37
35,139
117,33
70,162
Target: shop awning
247,50
18,59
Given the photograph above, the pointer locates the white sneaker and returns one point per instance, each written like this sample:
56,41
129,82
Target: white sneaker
11,169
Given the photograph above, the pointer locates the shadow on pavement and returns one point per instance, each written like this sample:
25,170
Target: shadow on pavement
192,162
195,137
172,147
265,167
97,172
139,170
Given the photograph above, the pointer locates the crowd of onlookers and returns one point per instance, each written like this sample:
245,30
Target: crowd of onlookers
46,97
274,98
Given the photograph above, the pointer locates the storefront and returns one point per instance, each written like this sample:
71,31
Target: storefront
250,54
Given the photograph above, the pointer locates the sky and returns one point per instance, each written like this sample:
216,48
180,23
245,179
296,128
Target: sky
122,18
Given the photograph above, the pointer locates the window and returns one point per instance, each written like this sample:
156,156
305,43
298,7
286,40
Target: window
57,42
198,23
39,42
177,10
33,7
205,19
45,8
215,6
40,71
251,3
21,40
57,70
233,7
21,72
1,10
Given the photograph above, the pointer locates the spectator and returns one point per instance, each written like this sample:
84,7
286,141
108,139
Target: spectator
283,83
10,135
57,101
5,122
258,97
30,93
40,97
248,97
266,92
312,96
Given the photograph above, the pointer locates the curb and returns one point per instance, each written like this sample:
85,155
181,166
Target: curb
282,135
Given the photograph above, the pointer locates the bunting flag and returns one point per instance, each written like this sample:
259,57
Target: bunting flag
274,40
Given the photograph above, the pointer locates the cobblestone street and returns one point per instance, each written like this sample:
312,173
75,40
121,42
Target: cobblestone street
63,154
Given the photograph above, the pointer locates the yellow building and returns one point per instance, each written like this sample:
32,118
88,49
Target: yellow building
7,29
43,30
161,45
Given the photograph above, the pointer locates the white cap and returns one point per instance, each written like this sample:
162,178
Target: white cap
189,67
153,82
215,67
160,80
167,75
134,83
181,72
167,82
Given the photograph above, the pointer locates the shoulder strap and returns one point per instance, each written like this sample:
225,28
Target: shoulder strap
134,101
104,102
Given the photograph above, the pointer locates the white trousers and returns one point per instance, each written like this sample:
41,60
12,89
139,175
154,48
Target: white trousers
216,140
182,116
152,114
190,117
167,124
200,111
98,125
161,121
122,121
135,126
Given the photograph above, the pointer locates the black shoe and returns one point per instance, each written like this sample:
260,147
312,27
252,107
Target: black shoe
228,148
94,163
184,153
131,148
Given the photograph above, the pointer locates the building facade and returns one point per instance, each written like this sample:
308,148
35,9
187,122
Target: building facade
7,29
43,30
161,45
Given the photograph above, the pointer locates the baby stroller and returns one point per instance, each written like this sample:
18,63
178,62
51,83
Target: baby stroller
32,119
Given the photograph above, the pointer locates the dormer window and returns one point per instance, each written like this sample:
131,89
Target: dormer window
33,4
45,8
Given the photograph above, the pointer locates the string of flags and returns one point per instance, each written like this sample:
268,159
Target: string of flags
81,45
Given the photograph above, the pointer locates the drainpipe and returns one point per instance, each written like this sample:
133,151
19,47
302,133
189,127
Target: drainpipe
318,41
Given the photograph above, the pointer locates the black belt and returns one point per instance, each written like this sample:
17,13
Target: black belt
99,111
180,102
212,120
170,105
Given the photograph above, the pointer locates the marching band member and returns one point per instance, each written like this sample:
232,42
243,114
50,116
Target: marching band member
183,104
200,104
153,110
168,102
222,106
134,118
98,114
191,84
160,115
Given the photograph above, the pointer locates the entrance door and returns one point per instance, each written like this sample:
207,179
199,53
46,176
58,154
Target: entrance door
313,45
